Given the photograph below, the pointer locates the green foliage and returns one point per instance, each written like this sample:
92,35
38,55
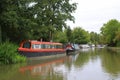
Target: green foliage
33,19
110,31
118,44
80,36
77,35
60,36
69,34
0,35
9,54
117,37
96,38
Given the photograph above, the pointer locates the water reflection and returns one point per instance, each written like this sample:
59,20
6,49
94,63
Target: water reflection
110,62
44,70
89,64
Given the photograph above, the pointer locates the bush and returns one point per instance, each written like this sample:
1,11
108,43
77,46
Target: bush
118,44
9,54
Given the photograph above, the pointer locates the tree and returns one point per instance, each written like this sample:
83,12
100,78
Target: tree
52,14
80,36
95,38
117,37
109,31
0,35
60,36
14,25
101,39
92,37
69,34
31,19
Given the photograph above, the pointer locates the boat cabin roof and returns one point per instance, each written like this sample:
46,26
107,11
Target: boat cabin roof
40,42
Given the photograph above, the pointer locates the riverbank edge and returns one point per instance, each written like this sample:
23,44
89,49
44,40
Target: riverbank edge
115,49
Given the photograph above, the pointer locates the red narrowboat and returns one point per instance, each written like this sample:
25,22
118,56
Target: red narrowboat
34,48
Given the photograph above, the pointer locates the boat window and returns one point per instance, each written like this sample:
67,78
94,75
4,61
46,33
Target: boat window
26,45
52,46
47,46
43,46
58,46
36,46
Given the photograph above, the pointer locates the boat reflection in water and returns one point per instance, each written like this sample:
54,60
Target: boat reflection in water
44,68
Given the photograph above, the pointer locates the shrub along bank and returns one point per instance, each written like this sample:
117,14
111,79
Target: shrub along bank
9,54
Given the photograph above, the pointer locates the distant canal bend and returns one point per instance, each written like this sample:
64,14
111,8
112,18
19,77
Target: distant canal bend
89,64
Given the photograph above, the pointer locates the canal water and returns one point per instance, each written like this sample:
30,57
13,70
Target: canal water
88,64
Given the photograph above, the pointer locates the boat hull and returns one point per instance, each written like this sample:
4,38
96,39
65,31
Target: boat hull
37,54
41,55
69,51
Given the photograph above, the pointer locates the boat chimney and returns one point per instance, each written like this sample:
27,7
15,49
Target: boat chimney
41,39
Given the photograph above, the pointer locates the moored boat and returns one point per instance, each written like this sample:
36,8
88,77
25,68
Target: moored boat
34,48
69,49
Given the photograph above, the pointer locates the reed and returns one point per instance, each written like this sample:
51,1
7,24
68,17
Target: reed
9,54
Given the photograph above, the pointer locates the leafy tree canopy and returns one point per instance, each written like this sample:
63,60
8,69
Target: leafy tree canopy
31,19
110,32
80,36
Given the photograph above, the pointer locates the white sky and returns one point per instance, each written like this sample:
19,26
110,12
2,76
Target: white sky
92,14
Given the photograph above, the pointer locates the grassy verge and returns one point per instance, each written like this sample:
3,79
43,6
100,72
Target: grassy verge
9,54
